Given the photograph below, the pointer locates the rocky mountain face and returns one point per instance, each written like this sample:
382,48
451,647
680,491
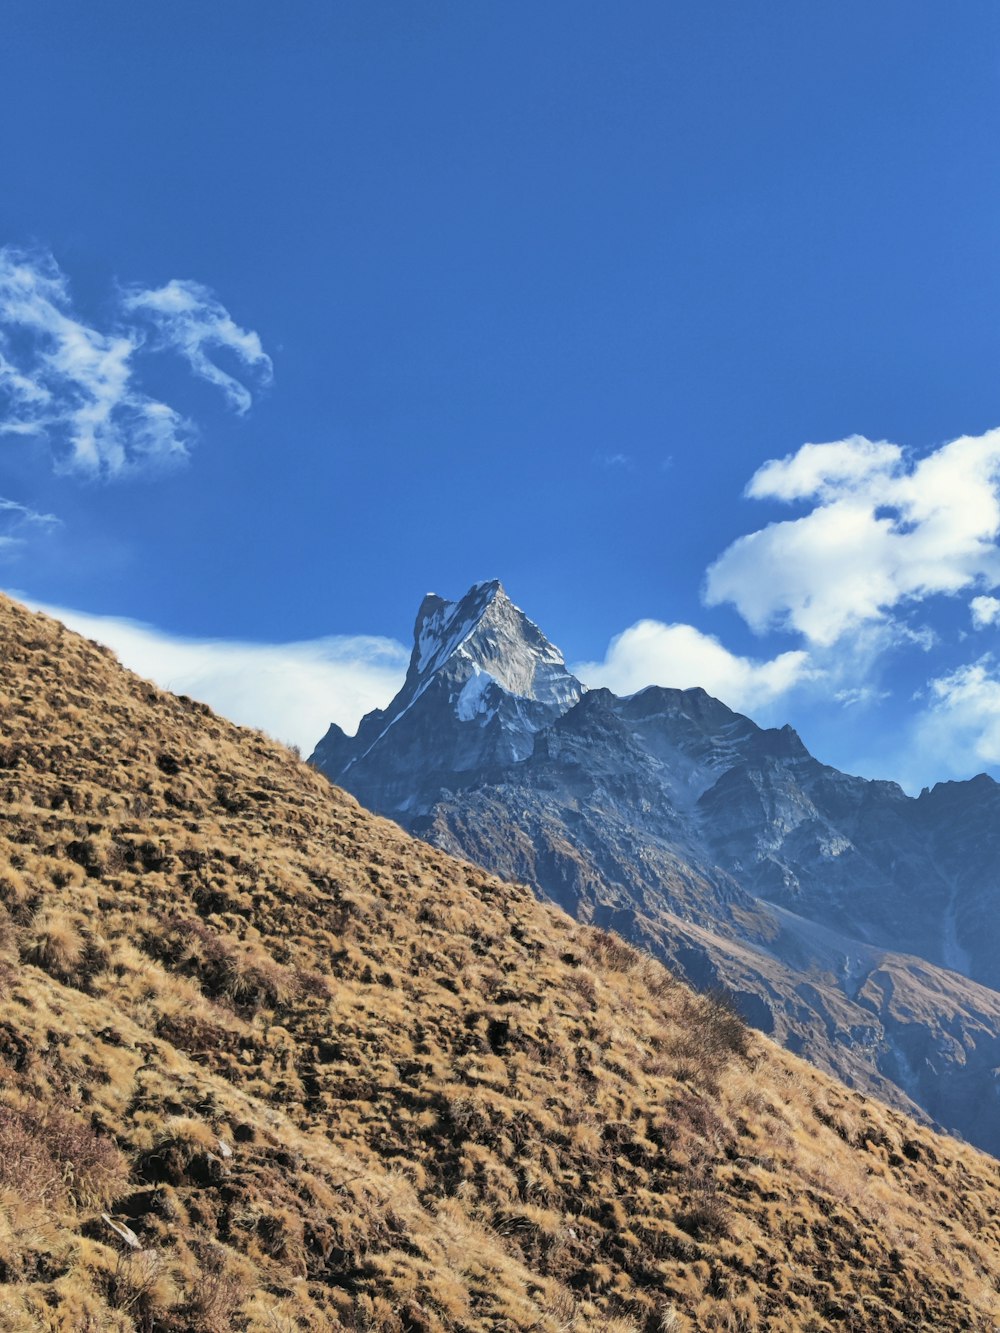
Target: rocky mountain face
482,682
271,1064
857,924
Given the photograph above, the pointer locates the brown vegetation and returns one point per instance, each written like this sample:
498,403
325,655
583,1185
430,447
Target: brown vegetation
269,1064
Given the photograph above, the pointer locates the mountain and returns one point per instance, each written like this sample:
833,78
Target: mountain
482,682
269,1063
858,925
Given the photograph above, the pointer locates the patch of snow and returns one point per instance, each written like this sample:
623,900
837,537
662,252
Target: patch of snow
439,637
471,702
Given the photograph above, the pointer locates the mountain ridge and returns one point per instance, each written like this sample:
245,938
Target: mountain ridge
666,811
491,676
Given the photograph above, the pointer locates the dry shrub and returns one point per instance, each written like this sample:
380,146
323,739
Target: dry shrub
140,1287
31,1242
16,894
610,951
26,1165
226,969
186,1152
280,1234
266,1314
706,1216
219,1291
712,1035
55,944
256,980
196,1030
584,984
726,1030
48,1155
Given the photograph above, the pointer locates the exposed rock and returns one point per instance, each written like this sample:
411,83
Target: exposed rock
859,925
125,1234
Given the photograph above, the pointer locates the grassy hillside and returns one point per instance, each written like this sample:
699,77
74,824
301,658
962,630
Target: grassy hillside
269,1064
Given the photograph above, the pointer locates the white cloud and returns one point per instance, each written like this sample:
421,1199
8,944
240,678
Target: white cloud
882,532
680,656
17,520
72,384
20,388
858,695
188,317
958,732
823,470
293,691
985,611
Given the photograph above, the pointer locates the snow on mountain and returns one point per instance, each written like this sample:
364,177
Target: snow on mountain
482,681
486,630
857,924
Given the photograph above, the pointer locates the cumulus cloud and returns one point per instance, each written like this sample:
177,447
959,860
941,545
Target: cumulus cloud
985,611
293,691
680,656
883,531
77,387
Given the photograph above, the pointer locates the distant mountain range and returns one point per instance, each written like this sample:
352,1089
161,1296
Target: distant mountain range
858,925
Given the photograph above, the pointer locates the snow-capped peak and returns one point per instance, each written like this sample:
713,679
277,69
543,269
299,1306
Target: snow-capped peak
442,626
482,682
486,634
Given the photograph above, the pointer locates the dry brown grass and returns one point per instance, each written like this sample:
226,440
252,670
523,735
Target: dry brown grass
332,1079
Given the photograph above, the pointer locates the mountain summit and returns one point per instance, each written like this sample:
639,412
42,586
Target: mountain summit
483,680
485,633
855,923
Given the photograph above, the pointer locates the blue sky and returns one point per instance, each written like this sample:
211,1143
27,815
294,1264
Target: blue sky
368,299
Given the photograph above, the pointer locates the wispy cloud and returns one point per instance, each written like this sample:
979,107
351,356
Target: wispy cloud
956,732
77,387
17,521
293,691
188,318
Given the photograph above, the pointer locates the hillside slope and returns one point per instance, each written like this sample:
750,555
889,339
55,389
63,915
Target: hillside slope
270,1064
